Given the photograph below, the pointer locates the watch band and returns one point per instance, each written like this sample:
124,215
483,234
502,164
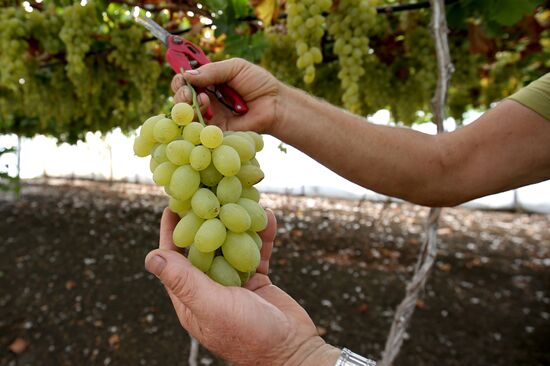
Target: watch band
348,358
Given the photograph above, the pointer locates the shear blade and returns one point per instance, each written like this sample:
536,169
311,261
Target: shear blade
155,29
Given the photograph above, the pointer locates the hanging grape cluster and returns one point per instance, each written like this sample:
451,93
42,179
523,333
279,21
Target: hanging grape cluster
210,179
306,25
13,45
79,27
130,55
349,25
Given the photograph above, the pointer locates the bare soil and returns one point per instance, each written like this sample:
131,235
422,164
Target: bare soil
73,290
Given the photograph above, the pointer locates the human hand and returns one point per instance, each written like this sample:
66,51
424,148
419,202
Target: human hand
257,324
259,89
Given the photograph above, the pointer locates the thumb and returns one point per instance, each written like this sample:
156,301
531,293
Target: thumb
222,72
192,287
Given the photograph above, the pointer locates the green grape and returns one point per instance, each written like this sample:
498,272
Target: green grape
178,151
200,157
210,236
153,165
241,252
159,153
165,130
258,140
142,147
226,160
244,148
163,173
146,131
235,217
222,272
185,182
251,193
257,214
247,137
201,260
316,54
211,136
182,114
255,162
205,204
185,230
250,175
254,235
179,207
245,276
210,176
309,76
229,190
192,132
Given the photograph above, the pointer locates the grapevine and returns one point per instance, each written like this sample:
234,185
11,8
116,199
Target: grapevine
209,177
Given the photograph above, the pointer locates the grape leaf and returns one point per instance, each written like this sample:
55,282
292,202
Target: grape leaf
265,11
215,5
241,8
248,47
509,12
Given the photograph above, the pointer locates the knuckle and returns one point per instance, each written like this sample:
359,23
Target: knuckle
176,83
187,94
180,95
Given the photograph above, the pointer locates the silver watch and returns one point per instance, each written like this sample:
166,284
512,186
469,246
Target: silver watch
348,358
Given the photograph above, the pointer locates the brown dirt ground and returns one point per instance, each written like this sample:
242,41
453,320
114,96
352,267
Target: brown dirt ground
73,290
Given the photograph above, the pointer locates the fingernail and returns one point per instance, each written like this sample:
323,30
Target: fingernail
155,265
192,72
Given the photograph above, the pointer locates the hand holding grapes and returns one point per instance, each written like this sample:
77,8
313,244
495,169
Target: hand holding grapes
259,89
254,324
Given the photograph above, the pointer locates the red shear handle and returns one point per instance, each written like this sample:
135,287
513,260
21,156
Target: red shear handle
234,99
179,61
181,54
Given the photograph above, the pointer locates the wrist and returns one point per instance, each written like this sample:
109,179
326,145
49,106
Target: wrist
288,104
314,352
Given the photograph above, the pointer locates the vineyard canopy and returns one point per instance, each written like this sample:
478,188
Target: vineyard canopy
73,67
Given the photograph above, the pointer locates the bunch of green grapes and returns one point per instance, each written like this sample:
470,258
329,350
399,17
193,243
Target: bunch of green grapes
349,25
306,25
79,27
14,46
45,27
130,55
280,62
210,179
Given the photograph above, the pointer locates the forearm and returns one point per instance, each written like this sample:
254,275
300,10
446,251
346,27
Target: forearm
506,148
394,161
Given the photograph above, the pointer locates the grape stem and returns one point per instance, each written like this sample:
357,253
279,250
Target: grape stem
195,102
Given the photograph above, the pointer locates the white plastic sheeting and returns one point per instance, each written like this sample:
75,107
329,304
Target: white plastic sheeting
293,172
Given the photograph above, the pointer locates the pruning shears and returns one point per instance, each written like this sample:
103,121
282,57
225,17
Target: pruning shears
182,54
